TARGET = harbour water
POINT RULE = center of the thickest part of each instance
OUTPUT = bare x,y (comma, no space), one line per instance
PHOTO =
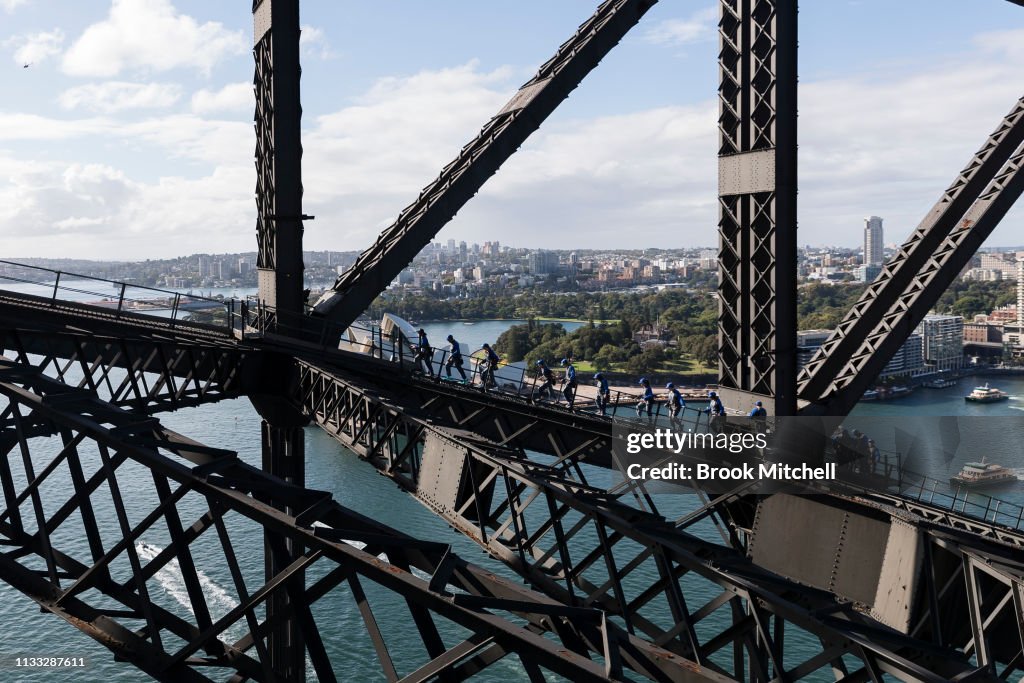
235,425
476,333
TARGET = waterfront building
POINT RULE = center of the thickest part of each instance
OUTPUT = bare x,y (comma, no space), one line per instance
908,360
807,344
943,342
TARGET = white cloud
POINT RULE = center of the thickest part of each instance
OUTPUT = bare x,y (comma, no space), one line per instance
11,5
150,35
885,146
313,43
35,128
366,161
96,211
33,48
114,96
699,26
232,97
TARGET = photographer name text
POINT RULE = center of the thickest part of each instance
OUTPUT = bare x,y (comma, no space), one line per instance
746,472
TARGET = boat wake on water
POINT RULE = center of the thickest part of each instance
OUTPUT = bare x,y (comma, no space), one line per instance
172,581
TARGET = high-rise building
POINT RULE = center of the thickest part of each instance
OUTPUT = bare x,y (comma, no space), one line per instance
1020,291
543,262
1013,333
874,246
943,341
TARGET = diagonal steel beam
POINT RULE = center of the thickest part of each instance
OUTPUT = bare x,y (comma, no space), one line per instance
500,137
327,532
912,281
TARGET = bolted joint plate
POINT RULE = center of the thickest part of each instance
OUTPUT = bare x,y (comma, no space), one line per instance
261,20
746,173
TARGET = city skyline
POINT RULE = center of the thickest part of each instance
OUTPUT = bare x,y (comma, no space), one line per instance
132,132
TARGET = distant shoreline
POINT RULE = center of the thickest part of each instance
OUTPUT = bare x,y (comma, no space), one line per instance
610,321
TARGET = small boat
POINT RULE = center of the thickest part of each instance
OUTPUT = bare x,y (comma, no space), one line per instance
977,474
939,384
899,392
870,395
986,394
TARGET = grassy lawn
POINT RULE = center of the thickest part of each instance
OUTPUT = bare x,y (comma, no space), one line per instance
682,367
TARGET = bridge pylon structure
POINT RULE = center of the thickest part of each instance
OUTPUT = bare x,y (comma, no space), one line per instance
617,587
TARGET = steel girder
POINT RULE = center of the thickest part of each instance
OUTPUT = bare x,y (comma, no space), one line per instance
278,156
910,283
973,578
500,137
569,436
757,163
584,547
145,375
572,438
105,584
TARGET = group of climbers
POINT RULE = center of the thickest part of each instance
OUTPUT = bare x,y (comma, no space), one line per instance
568,381
425,356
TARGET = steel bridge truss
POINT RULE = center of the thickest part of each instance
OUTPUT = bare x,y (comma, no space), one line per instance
586,546
757,63
144,374
617,589
103,574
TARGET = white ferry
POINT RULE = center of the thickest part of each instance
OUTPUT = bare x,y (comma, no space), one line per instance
986,395
977,474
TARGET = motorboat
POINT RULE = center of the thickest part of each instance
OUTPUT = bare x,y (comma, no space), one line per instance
979,474
986,394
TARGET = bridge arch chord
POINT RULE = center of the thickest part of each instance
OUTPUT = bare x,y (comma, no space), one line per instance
481,158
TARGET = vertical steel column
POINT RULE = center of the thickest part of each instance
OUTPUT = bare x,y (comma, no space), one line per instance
279,238
284,457
278,157
757,203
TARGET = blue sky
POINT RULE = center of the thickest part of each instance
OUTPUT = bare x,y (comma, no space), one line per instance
130,133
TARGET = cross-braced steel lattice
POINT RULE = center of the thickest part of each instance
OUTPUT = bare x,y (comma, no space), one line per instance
102,573
586,546
757,202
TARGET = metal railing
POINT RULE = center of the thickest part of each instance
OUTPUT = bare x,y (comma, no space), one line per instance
126,297
963,500
369,337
